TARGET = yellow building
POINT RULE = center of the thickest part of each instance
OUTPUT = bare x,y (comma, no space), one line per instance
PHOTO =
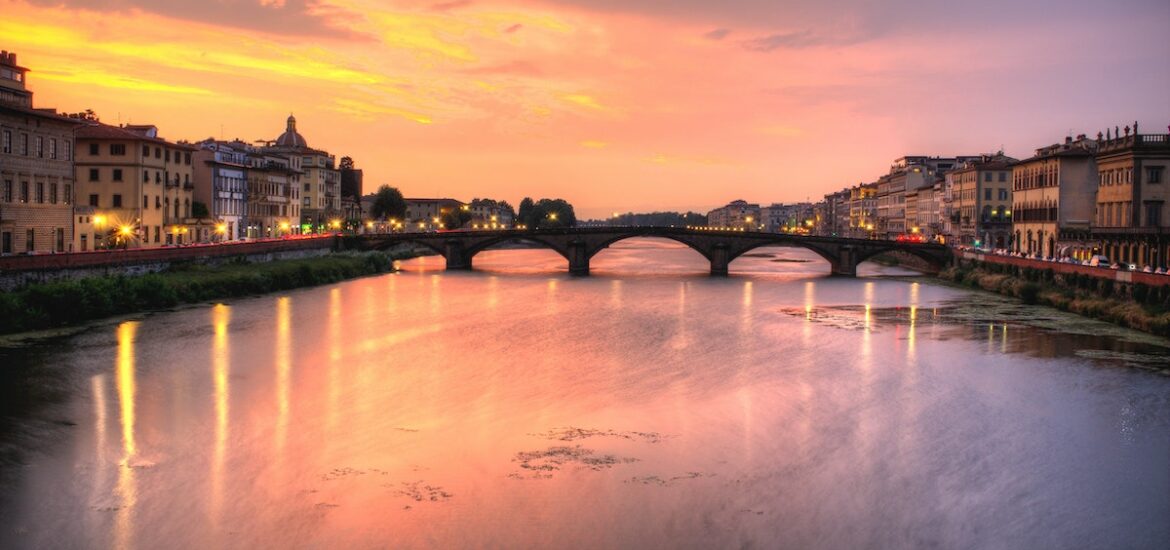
36,170
138,184
1053,198
320,192
274,182
1132,215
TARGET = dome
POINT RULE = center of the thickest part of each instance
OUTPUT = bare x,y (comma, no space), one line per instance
290,137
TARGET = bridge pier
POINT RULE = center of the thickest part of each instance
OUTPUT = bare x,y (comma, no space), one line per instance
457,256
720,258
578,258
846,264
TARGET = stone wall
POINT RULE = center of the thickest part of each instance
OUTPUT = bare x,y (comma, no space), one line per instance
17,271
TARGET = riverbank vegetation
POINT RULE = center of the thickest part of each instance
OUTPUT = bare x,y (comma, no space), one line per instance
64,303
1143,307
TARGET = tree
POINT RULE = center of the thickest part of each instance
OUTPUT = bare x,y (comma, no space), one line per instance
525,210
388,203
199,210
505,207
346,163
548,213
456,219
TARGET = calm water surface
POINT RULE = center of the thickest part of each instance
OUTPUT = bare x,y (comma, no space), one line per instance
645,406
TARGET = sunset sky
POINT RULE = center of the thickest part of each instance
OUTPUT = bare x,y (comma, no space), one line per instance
613,105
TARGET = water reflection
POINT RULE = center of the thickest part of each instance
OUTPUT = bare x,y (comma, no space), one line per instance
127,487
764,410
220,372
283,363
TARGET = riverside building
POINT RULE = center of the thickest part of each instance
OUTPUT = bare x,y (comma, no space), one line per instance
36,169
1132,223
1054,195
139,185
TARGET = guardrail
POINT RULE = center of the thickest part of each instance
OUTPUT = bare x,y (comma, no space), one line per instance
1119,275
112,258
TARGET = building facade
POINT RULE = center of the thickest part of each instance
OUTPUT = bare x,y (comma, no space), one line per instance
139,185
982,202
220,170
737,214
1132,222
36,170
1054,196
427,214
274,187
320,180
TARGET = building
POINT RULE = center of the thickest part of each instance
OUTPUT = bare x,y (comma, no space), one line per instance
320,180
981,202
427,214
908,173
36,170
351,190
490,214
1132,222
139,185
1054,195
220,170
274,188
862,210
836,222
737,214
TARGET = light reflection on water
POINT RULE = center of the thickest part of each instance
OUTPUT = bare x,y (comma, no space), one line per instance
645,406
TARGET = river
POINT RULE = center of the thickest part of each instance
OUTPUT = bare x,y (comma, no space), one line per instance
645,406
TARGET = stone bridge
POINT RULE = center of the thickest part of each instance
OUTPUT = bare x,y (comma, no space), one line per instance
579,245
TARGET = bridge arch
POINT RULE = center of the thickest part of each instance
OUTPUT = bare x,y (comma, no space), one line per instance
485,244
833,259
604,244
931,258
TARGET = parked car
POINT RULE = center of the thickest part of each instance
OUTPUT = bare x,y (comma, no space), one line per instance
1098,261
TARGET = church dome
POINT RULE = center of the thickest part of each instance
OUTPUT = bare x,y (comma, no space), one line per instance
290,138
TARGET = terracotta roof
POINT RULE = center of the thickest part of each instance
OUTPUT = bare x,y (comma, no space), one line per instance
98,130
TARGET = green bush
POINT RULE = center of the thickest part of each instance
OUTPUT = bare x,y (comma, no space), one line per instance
1030,293
71,302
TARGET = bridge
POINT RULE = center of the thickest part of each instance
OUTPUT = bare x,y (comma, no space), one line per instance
579,245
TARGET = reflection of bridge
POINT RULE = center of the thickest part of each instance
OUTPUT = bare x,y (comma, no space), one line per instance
578,245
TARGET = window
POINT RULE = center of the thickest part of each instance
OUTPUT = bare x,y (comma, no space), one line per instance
187,158
1154,174
93,174
1154,214
7,141
53,193
117,200
117,174
145,201
145,176
1003,194
158,152
53,148
29,240
60,239
157,233
7,246
40,192
24,192
145,151
67,197
987,192
7,190
40,147
93,200
68,147
93,149
157,202
24,144
1002,177
118,149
